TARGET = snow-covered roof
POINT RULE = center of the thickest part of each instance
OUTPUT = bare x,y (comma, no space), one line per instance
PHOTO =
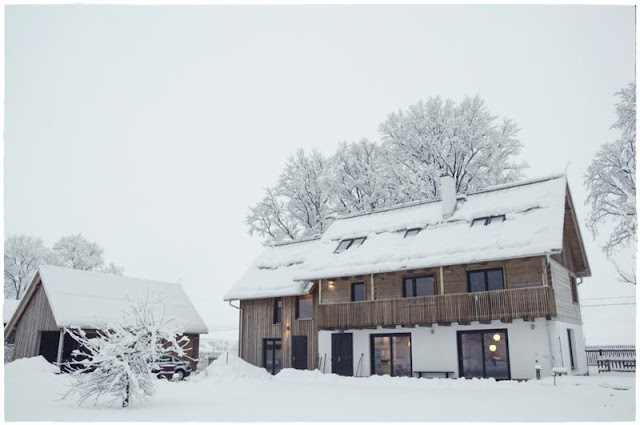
533,225
272,274
8,309
94,300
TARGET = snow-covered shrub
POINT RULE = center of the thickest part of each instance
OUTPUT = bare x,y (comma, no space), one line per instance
117,363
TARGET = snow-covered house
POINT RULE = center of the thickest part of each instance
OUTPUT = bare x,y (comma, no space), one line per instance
60,298
482,285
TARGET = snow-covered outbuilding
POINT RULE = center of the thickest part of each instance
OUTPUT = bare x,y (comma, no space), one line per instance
476,285
60,298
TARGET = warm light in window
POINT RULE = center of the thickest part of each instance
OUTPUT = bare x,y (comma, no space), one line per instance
496,337
492,348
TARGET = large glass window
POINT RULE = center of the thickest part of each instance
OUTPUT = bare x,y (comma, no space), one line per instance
304,307
272,355
485,280
484,354
357,291
421,286
391,354
277,310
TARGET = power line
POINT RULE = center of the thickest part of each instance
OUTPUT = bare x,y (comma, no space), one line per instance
603,305
608,298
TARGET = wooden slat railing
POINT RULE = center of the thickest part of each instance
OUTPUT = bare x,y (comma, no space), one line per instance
505,305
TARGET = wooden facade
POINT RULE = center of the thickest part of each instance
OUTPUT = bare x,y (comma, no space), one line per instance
258,324
37,318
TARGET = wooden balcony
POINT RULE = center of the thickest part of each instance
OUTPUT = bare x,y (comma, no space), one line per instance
506,305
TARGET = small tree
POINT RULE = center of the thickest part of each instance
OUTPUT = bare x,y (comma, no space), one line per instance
121,357
76,252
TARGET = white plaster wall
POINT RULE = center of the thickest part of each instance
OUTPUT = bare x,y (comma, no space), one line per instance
436,348
559,340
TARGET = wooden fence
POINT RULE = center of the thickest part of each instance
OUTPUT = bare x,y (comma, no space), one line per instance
616,365
609,351
505,305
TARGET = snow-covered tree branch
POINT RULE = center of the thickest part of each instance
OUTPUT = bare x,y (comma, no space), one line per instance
23,255
611,182
117,364
419,144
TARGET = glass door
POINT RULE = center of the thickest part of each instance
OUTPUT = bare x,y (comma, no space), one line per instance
484,354
391,354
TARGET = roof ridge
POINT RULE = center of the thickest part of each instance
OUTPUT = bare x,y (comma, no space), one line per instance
419,202
108,274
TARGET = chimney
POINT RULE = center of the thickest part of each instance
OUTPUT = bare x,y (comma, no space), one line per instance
447,195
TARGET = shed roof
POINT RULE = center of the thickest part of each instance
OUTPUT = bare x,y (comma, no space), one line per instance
534,212
94,300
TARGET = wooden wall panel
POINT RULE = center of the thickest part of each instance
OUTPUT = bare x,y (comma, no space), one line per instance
257,324
36,318
519,273
568,311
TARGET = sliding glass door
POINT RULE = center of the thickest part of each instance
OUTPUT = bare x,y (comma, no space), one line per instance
391,354
484,354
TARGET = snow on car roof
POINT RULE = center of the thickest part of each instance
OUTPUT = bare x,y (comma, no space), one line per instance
271,275
93,300
533,225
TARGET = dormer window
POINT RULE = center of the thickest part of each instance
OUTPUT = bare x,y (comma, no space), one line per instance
412,232
485,221
348,244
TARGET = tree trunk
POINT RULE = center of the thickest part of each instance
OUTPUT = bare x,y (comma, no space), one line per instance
125,402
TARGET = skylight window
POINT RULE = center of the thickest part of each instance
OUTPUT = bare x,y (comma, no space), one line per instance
488,220
412,232
348,244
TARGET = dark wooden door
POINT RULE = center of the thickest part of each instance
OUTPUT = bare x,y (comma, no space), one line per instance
342,354
299,352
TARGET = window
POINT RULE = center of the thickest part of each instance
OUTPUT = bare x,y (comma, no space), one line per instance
488,220
412,232
574,289
348,244
357,291
304,307
421,286
272,355
277,311
485,280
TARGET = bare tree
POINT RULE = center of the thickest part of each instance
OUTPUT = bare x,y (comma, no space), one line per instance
76,252
23,255
611,183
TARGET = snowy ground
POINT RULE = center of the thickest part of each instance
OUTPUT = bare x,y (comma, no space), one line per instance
240,392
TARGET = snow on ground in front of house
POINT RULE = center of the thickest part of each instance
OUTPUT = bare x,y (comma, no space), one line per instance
237,391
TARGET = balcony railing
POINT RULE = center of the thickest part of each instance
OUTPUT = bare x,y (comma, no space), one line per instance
504,305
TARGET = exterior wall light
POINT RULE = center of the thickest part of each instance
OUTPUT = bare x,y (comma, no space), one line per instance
493,348
496,337
288,328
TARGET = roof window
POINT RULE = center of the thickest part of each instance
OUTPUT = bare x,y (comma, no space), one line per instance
492,219
412,232
349,243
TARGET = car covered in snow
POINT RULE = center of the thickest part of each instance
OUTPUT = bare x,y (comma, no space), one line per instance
171,367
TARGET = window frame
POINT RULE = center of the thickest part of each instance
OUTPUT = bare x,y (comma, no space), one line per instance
364,292
413,231
574,289
486,279
298,299
486,221
265,351
415,285
277,311
351,243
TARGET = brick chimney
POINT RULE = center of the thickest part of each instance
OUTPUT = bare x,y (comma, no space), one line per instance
447,195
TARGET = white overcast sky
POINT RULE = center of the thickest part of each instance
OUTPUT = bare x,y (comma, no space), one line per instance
152,129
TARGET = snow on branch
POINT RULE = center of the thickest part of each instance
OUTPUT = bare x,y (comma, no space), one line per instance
117,363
